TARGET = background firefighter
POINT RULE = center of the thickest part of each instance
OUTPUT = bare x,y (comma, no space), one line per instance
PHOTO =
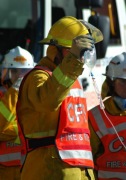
108,125
16,63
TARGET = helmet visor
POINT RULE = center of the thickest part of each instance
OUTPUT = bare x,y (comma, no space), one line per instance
12,74
95,32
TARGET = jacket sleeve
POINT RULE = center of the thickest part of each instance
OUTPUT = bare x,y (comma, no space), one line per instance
45,91
8,125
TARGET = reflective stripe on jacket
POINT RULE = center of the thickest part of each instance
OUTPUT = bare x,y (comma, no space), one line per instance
112,163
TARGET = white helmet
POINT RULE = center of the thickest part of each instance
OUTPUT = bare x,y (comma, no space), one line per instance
17,62
18,58
117,67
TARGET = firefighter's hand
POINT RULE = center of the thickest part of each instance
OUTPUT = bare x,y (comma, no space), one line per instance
17,84
81,44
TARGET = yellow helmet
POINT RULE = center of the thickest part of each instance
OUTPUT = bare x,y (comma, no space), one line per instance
67,28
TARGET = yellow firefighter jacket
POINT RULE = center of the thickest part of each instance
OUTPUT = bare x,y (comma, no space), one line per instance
38,114
9,167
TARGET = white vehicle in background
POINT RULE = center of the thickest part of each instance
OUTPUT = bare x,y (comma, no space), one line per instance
24,23
116,44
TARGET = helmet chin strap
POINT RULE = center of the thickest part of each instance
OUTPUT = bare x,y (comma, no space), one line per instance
59,56
7,83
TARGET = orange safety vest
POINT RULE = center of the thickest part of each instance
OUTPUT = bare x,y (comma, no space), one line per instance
10,153
112,163
73,137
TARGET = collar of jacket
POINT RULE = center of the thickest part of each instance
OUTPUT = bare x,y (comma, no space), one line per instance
111,107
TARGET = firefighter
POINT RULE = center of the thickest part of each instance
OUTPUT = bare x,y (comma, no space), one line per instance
15,64
52,110
108,124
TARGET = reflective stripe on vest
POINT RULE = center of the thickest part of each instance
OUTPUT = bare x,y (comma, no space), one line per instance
9,158
73,137
79,154
114,175
10,153
102,129
112,163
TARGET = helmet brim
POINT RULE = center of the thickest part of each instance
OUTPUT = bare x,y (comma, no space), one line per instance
95,32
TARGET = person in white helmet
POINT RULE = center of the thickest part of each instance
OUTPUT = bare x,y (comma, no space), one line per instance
17,62
108,124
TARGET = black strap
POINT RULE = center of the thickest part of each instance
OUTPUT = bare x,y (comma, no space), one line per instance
41,142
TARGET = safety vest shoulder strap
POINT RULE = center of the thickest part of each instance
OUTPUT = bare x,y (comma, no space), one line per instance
103,122
43,68
97,121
